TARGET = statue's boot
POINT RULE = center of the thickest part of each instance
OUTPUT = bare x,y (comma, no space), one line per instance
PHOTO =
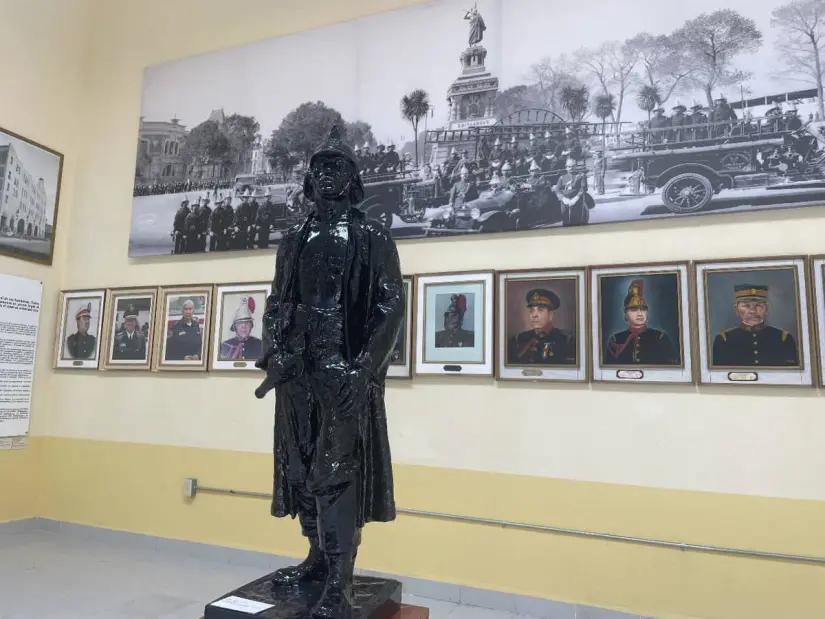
313,568
336,599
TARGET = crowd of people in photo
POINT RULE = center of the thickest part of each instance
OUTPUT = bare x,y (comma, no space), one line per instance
160,188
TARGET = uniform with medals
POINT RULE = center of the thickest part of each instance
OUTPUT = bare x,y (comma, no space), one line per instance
456,337
248,348
82,345
754,346
547,346
130,345
643,345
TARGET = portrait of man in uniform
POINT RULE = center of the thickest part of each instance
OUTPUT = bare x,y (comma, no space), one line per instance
753,318
456,332
640,320
241,333
185,316
541,322
82,343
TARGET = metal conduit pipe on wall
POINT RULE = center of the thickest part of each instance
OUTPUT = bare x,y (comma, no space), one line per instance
191,489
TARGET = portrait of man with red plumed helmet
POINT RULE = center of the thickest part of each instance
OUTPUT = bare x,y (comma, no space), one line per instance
454,334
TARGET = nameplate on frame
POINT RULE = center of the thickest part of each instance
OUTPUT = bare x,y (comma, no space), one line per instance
743,377
630,374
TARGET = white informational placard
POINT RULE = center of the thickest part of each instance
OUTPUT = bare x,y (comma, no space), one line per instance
250,607
19,317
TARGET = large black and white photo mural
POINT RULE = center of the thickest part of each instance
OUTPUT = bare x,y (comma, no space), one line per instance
491,116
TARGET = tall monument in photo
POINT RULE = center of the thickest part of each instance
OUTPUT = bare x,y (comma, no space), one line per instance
472,96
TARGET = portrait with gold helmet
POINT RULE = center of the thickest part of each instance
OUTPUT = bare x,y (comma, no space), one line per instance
641,323
237,339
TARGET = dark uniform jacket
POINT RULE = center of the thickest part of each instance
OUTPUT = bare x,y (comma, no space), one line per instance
81,346
553,347
131,348
454,338
649,347
374,296
183,340
762,346
250,349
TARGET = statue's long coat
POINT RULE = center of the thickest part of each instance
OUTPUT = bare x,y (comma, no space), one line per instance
373,314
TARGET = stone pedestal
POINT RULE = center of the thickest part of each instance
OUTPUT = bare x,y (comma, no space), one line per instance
375,598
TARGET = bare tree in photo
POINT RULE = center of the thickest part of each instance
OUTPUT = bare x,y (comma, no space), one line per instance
710,43
414,107
596,62
622,59
550,76
661,64
800,44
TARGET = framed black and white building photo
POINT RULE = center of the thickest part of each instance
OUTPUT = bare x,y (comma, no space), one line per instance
541,318
454,323
640,323
30,177
79,329
753,321
401,359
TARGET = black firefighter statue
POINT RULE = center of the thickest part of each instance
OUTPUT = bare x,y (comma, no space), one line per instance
330,326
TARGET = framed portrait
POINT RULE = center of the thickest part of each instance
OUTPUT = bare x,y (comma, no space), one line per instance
753,319
182,332
817,269
454,323
79,329
237,331
30,176
130,323
640,323
540,318
401,360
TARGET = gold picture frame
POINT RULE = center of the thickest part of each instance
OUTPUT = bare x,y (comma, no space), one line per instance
561,280
144,301
170,312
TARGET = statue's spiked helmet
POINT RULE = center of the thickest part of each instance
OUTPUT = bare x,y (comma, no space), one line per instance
332,147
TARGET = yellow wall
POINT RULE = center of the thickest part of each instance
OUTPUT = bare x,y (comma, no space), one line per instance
44,47
726,466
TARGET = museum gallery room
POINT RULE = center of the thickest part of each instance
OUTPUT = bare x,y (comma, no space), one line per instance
516,309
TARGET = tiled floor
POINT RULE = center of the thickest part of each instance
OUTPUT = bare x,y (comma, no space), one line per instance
49,575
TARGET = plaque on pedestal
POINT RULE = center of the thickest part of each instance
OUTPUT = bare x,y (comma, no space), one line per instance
374,598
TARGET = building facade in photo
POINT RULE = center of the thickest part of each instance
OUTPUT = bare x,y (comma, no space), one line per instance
22,198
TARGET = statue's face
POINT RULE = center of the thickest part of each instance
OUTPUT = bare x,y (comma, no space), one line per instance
331,176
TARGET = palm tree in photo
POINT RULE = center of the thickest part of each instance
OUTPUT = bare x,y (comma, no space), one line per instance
603,107
575,99
414,107
648,99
